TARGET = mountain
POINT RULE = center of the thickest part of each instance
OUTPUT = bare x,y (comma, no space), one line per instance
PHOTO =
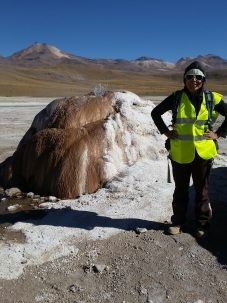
2,59
41,54
210,62
44,70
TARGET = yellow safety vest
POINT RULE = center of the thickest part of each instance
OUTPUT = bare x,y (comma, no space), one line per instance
190,130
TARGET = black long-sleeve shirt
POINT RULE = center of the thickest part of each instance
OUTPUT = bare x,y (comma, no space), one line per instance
168,104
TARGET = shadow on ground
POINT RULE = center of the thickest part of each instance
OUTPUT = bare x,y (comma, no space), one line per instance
216,242
68,217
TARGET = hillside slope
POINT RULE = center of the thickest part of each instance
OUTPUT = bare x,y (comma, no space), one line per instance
44,70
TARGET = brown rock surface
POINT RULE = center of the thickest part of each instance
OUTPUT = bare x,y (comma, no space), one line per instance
62,152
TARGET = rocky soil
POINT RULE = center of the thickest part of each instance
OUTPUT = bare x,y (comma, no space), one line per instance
134,266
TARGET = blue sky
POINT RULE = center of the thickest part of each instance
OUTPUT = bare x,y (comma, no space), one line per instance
126,29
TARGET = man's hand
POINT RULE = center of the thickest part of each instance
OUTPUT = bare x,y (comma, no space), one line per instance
210,135
171,134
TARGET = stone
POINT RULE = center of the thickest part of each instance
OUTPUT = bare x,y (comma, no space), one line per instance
76,145
13,192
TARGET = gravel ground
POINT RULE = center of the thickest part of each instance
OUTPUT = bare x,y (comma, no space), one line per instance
129,267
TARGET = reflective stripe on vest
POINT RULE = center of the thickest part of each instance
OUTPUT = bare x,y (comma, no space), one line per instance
191,137
190,120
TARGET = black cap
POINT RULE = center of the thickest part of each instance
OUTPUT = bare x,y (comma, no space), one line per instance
195,65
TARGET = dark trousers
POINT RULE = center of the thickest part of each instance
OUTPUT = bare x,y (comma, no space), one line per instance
199,170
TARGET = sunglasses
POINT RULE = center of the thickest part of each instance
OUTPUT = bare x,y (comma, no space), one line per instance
198,77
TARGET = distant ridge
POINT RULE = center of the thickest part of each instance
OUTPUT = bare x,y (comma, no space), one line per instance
45,70
39,54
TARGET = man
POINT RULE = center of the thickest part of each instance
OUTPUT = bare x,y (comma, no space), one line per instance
192,145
